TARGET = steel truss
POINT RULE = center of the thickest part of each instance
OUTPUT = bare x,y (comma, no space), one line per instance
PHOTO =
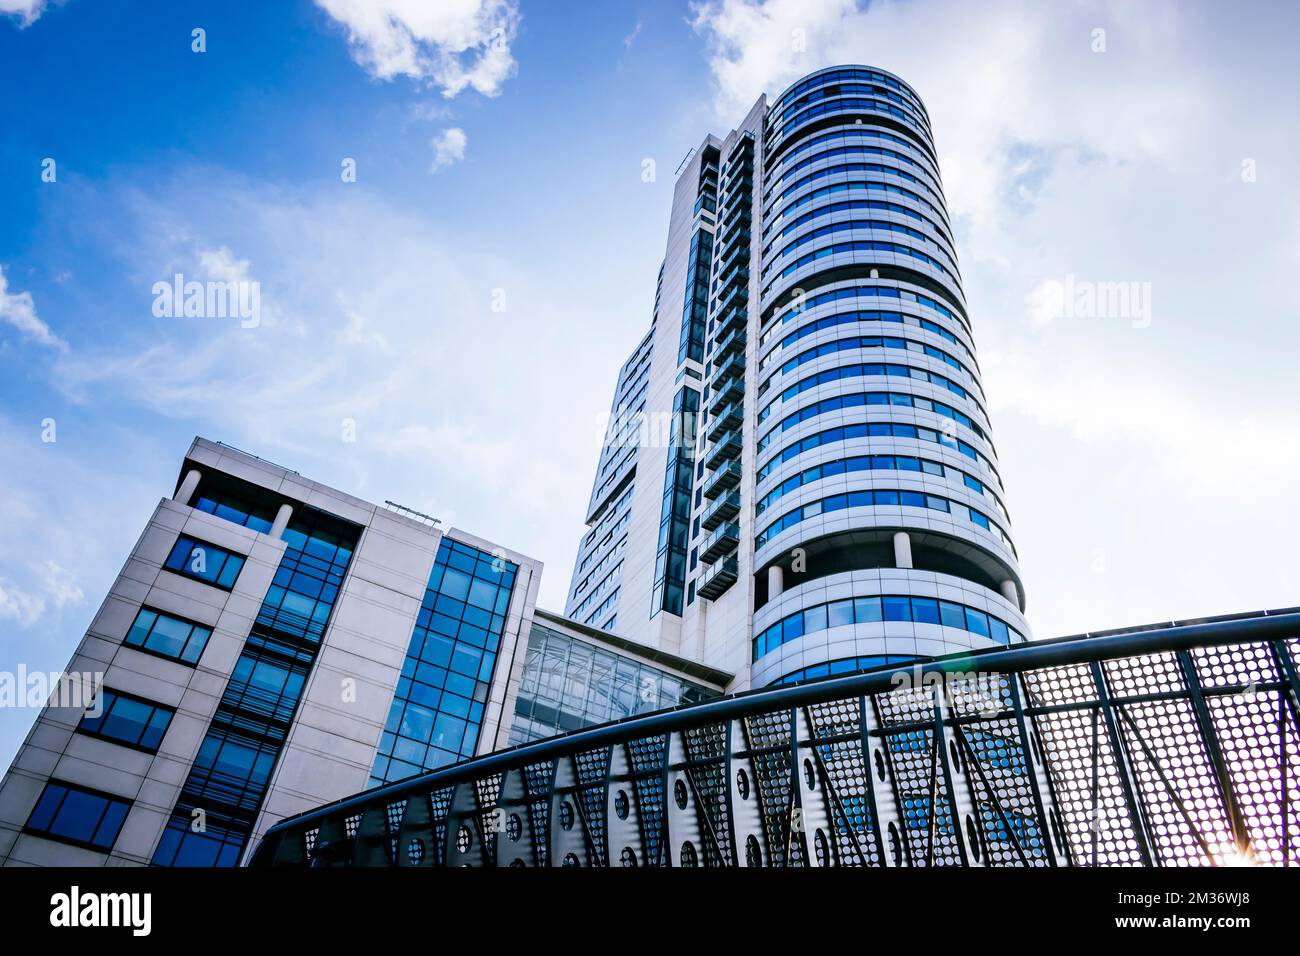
1173,746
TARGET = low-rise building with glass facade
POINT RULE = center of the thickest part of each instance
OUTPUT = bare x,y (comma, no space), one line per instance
270,644
576,676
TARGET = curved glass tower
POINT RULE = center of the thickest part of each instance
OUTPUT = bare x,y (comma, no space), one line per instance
841,507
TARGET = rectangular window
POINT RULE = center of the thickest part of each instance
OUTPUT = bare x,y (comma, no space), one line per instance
168,636
840,613
925,610
866,610
952,615
204,562
999,631
897,609
76,815
128,720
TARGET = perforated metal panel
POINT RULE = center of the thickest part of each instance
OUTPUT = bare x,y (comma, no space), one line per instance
1170,747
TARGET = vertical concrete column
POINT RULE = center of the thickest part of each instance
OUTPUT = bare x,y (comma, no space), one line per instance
902,550
186,491
281,521
775,581
1009,591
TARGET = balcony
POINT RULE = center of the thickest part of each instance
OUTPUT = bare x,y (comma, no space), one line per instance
724,479
740,180
724,509
732,392
734,365
736,278
727,447
734,342
731,321
736,254
738,214
738,294
715,581
727,419
722,542
735,239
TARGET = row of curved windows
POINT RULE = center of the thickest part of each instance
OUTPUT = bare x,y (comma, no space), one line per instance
865,246
865,370
844,466
845,318
853,151
834,77
870,342
826,90
846,105
869,185
872,610
867,291
875,430
853,205
856,133
843,168
880,225
845,665
877,498
859,399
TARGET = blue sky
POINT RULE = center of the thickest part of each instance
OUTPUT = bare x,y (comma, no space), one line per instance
499,148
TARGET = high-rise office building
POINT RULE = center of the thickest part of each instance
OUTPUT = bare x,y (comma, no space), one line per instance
800,476
272,644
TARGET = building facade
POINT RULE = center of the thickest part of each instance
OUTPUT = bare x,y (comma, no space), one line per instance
825,494
270,644
576,676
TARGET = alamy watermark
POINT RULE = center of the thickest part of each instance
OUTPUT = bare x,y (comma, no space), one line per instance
967,691
215,299
1075,298
77,690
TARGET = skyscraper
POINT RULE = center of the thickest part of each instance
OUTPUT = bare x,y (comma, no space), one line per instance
800,477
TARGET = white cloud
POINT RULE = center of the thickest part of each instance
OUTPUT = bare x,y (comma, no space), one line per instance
19,606
51,584
451,44
387,320
220,265
27,11
19,311
448,147
631,37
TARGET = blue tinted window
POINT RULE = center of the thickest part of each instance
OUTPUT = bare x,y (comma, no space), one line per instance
436,711
839,613
205,562
128,720
168,636
952,615
925,610
889,608
999,631
867,610
229,777
75,815
897,609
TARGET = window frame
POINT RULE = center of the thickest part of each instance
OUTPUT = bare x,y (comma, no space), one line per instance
184,571
142,748
145,649
68,788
